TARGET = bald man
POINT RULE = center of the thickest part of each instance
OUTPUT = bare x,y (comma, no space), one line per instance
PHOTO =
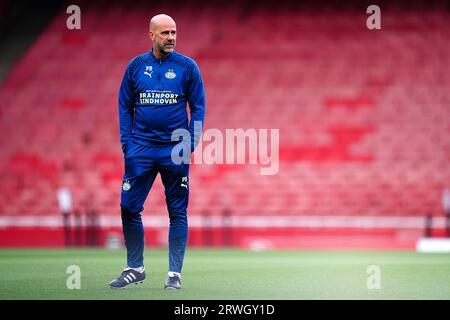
155,90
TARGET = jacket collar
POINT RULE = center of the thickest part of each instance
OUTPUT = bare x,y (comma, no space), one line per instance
154,59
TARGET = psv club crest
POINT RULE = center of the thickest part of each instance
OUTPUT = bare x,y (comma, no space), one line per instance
126,186
170,74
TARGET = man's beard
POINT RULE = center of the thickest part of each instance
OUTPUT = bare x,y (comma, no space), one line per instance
164,51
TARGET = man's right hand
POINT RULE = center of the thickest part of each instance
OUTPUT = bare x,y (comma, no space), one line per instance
124,148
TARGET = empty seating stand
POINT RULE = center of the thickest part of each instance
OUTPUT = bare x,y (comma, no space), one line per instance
363,116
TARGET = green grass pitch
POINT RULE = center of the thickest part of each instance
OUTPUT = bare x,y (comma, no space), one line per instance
228,274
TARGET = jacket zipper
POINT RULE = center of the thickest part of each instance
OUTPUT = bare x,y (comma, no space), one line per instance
159,71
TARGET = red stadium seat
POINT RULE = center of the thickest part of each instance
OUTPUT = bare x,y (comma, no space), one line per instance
363,120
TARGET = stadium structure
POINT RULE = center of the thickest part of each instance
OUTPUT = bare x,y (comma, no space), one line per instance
363,119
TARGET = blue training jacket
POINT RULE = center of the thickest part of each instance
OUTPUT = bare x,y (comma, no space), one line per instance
153,98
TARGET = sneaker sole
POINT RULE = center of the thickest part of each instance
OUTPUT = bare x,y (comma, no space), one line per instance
171,288
137,282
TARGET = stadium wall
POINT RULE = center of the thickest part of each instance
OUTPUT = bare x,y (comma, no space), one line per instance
256,233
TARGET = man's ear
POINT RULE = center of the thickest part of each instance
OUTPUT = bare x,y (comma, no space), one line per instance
150,34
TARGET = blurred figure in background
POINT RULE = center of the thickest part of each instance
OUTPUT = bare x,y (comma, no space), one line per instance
92,223
446,207
65,206
78,231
